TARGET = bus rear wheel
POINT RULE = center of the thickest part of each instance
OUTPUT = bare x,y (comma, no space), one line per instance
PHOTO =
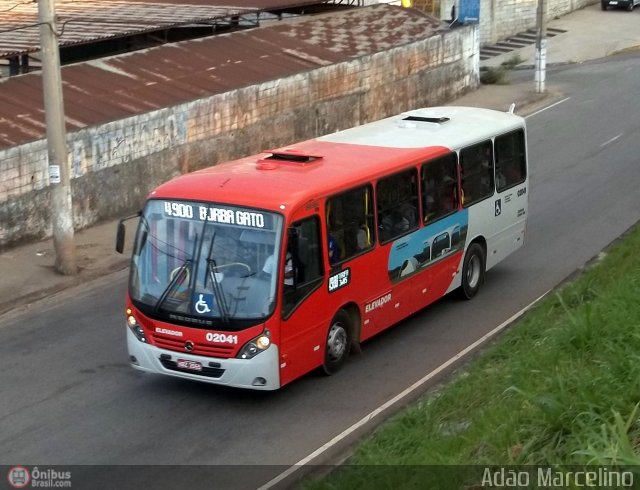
338,343
473,269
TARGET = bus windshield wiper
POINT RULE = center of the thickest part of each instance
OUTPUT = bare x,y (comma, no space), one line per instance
181,273
217,290
215,284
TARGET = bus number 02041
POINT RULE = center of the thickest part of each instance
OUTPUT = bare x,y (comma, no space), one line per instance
222,338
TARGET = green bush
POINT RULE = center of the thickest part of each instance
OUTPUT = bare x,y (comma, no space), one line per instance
497,76
512,62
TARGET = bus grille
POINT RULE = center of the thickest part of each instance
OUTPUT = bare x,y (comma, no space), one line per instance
206,371
198,349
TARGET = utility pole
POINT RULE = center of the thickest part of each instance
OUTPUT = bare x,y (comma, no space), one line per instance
541,49
59,178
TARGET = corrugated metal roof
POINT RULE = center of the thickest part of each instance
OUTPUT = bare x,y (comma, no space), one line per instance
364,31
109,89
83,21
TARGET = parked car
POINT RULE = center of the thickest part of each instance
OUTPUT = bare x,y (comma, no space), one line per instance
628,4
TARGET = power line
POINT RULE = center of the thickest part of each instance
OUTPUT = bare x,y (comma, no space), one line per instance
88,20
28,26
17,5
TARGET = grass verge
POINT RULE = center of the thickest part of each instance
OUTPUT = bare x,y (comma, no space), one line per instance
561,388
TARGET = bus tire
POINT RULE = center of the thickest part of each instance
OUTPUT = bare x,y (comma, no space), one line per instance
473,269
338,343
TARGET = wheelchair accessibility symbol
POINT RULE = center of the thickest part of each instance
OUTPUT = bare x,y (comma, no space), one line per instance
203,303
498,207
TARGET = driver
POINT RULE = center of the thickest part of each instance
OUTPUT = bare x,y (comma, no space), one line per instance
268,267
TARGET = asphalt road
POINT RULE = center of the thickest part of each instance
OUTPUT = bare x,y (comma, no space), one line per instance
69,396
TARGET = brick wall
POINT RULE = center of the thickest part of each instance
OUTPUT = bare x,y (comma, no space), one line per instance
114,166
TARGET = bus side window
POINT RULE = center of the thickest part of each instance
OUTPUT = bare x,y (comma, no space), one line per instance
397,203
439,187
511,167
476,169
349,224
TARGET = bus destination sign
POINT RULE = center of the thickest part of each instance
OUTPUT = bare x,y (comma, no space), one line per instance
227,216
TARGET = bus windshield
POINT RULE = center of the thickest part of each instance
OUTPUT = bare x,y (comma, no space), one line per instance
204,264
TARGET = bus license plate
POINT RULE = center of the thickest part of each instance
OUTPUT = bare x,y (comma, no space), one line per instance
190,365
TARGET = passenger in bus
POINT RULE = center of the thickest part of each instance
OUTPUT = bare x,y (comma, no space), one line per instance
333,249
288,271
429,201
484,157
363,238
409,215
393,224
450,198
507,175
386,226
501,181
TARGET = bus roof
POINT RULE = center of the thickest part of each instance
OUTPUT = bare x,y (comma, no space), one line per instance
291,176
453,127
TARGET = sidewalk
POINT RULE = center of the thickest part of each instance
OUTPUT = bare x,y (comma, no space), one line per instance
590,33
27,273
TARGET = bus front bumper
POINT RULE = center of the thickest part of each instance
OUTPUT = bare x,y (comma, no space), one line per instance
258,373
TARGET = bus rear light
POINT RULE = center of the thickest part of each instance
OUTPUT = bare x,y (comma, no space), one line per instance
255,346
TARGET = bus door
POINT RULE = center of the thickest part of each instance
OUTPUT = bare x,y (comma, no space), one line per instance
304,310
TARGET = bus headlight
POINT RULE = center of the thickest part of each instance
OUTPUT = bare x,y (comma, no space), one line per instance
255,346
132,323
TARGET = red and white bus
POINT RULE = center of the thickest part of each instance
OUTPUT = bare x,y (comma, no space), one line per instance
253,272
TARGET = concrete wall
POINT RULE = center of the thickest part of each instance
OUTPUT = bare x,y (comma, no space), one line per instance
500,19
115,165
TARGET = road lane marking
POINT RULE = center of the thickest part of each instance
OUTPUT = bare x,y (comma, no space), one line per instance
608,142
367,418
548,107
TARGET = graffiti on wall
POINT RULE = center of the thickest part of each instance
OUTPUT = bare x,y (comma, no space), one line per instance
111,146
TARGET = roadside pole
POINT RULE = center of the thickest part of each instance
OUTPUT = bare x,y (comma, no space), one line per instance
59,179
541,49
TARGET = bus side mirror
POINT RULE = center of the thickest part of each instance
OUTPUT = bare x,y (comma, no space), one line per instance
121,231
120,234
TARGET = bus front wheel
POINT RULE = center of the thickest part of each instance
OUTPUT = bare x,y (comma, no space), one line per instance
472,271
338,343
